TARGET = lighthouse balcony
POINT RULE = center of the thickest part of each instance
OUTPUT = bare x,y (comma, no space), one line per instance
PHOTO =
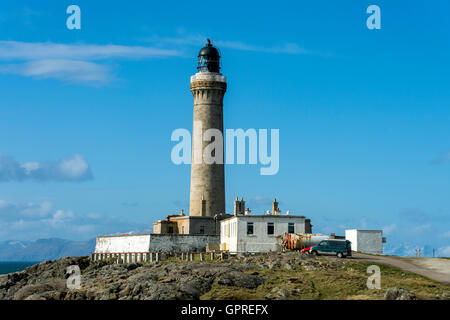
208,76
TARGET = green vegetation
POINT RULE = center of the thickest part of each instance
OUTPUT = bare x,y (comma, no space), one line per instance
340,281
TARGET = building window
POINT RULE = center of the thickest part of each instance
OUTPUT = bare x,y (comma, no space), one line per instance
202,229
182,229
270,228
170,229
291,227
249,227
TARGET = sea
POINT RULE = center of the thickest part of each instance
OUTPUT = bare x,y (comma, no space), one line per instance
14,266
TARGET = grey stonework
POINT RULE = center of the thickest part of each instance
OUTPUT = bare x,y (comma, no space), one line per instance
207,192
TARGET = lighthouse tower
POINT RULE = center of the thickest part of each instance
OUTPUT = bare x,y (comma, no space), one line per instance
208,86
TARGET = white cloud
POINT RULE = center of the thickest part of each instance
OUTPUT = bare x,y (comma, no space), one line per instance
38,210
388,229
199,40
16,50
74,168
65,70
70,62
31,221
60,217
289,48
31,211
86,228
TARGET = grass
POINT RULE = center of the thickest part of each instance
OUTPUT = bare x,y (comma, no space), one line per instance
344,281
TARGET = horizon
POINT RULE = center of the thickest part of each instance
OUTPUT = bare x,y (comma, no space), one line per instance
87,115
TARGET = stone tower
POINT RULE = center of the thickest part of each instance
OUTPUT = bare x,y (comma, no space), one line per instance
208,87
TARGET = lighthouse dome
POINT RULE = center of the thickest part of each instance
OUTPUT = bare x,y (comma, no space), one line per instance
209,59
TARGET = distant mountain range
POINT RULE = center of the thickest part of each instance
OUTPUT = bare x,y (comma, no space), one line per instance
52,248
44,249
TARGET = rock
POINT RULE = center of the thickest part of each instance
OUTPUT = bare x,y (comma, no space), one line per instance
35,297
399,294
35,289
192,289
133,266
277,294
240,279
287,266
309,267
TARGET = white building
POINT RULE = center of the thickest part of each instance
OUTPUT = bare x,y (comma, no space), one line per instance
258,233
366,241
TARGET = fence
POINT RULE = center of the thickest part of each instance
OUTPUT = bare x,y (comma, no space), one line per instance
134,257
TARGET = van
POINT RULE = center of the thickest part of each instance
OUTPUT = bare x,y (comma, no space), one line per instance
333,247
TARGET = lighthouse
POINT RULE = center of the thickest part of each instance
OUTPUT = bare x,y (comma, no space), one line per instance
208,87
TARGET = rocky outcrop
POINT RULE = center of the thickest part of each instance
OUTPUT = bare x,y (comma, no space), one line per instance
399,294
105,280
273,276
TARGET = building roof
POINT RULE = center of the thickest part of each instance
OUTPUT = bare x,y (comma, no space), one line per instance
268,216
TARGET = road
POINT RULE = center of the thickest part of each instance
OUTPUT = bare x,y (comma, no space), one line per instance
433,268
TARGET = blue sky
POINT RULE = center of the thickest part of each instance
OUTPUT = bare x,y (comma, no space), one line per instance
363,114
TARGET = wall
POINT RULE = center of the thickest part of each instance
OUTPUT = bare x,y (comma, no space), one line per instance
181,242
366,241
119,244
153,243
370,241
187,225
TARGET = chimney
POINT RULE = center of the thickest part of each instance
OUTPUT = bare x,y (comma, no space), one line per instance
275,206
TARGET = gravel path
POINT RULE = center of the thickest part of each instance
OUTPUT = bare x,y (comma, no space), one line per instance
433,268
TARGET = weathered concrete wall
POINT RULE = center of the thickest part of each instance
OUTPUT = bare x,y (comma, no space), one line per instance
366,241
120,244
153,243
181,242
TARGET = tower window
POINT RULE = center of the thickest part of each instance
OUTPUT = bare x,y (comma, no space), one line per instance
270,228
291,227
249,227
